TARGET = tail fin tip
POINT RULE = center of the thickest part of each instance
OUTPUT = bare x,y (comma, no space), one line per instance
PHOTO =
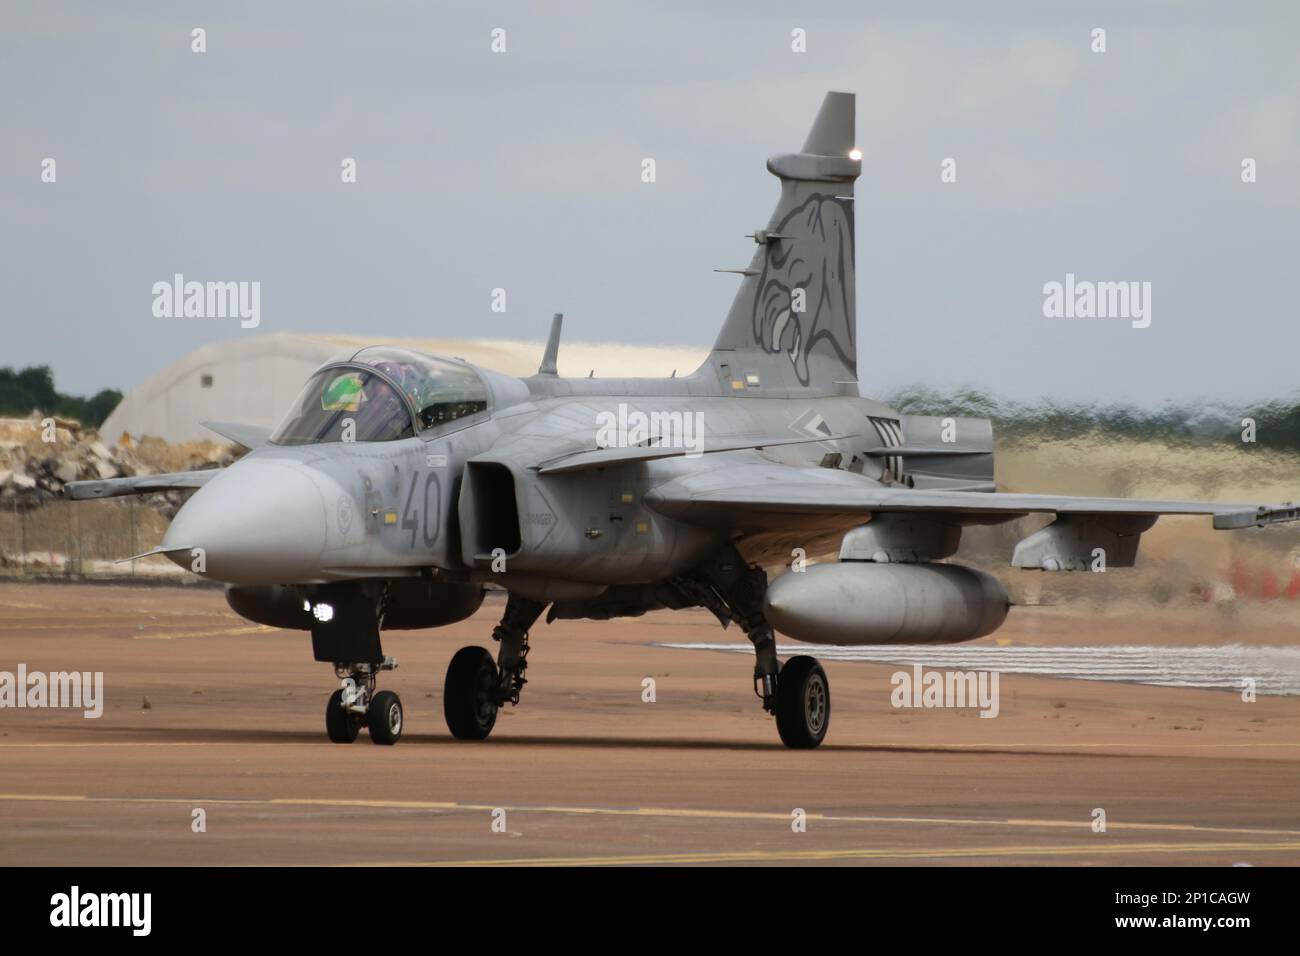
832,131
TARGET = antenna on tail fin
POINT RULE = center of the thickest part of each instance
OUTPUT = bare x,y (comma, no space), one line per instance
792,325
552,352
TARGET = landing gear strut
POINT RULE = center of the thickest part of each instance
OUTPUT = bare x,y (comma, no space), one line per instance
357,704
798,694
476,687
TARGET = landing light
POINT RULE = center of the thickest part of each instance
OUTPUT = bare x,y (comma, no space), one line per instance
855,154
323,613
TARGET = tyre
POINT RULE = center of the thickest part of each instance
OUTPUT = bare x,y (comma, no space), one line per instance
469,699
342,726
803,703
385,718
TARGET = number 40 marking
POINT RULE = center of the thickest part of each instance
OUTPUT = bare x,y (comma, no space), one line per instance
432,505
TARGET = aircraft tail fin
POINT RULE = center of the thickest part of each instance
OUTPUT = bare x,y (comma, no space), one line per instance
792,325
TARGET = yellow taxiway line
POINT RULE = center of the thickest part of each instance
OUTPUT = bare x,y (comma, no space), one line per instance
688,813
794,856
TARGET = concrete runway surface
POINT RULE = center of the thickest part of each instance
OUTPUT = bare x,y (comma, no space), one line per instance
586,772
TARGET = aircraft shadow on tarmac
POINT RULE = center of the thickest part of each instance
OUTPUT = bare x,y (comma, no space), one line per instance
240,736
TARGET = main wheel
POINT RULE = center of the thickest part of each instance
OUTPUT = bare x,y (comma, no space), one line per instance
469,699
385,718
341,725
803,703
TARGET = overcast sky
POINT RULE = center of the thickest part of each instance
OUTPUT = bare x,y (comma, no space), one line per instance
521,170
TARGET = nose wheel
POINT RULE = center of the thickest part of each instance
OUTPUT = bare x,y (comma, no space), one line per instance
341,725
385,718
356,704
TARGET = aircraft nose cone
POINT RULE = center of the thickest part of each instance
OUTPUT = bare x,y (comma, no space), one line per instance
255,523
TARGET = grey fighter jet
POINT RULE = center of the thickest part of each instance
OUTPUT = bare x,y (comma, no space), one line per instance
400,484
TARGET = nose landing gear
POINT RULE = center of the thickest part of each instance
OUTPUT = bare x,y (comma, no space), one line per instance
341,724
356,704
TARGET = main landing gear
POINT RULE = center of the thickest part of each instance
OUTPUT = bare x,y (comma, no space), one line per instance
798,693
476,686
803,703
356,704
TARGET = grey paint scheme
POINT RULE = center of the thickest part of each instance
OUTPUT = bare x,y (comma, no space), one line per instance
435,505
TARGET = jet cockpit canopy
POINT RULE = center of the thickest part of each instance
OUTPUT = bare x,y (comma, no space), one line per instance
382,393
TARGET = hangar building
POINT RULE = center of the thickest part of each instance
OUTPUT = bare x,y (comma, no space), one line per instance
253,380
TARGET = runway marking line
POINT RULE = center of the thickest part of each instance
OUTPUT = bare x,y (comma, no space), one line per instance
152,635
221,632
663,812
761,856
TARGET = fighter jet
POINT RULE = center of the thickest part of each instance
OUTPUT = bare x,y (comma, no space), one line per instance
400,485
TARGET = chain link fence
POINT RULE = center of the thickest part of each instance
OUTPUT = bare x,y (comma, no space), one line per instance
54,538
